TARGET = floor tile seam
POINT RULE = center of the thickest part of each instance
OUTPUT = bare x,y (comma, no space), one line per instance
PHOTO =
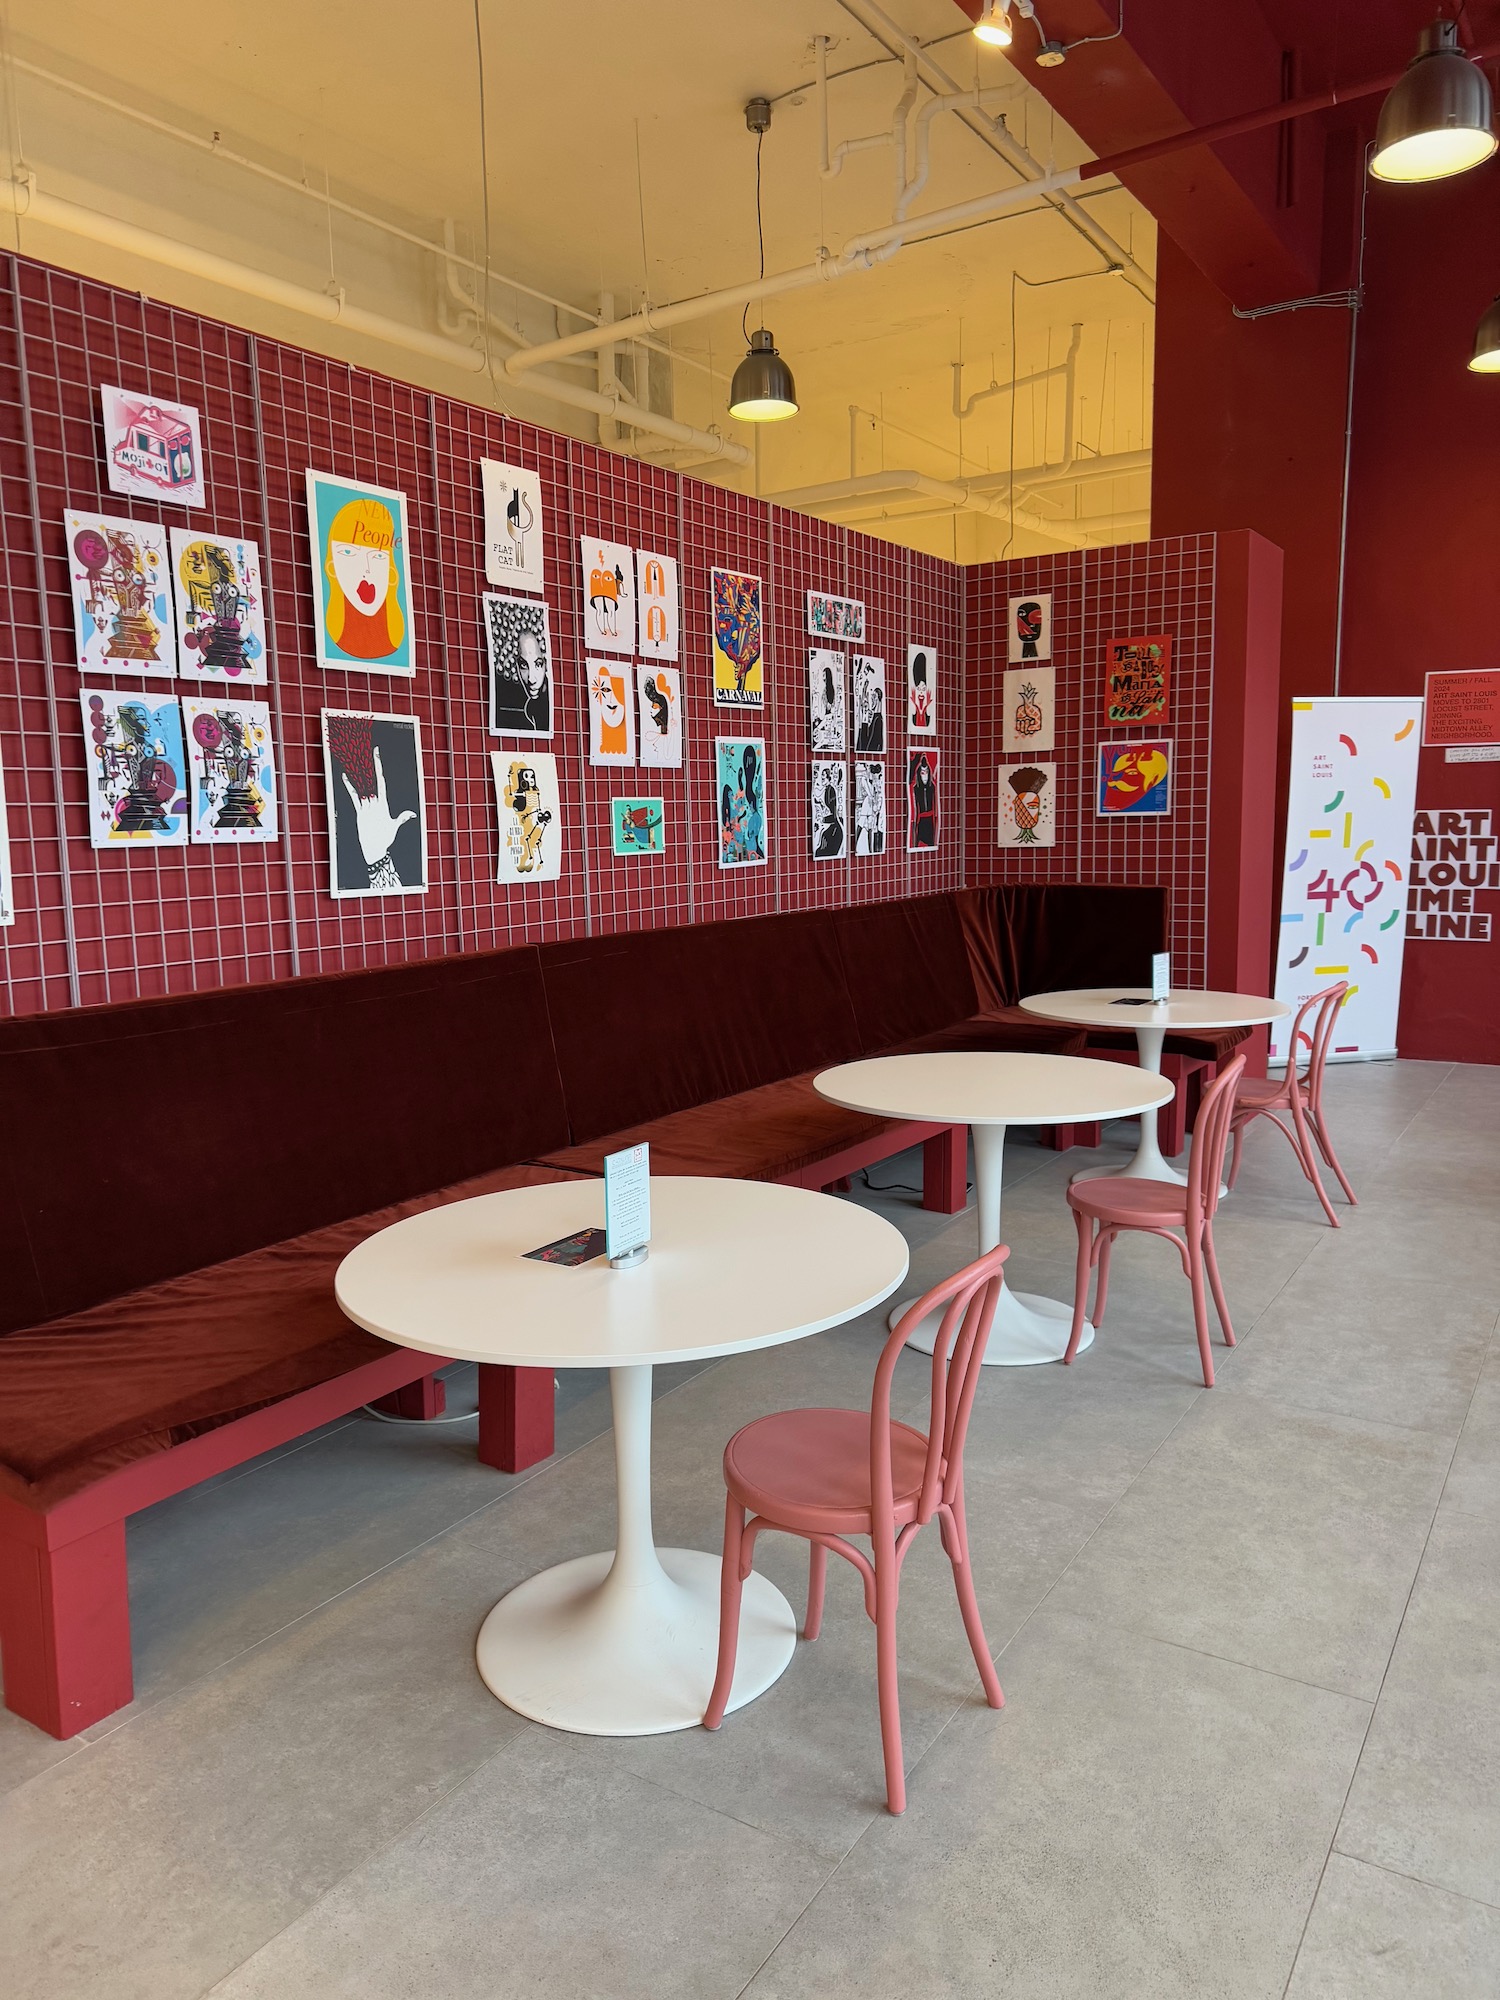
1422,1881
741,1991
787,1840
1375,1423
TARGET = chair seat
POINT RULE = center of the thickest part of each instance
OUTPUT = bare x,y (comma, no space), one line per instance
1143,1204
1261,1092
811,1469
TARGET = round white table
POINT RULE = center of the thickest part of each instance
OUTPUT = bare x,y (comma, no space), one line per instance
624,1643
1181,1013
987,1093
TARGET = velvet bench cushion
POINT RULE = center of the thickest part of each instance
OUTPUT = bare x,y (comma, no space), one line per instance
999,1030
1206,1045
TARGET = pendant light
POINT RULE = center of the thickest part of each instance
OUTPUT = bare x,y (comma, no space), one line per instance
1438,120
1485,360
762,391
993,25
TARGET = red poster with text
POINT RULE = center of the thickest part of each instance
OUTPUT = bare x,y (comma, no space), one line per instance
1462,708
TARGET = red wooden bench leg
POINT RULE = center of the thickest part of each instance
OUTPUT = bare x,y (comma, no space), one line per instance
945,1170
1060,1137
418,1402
516,1408
65,1630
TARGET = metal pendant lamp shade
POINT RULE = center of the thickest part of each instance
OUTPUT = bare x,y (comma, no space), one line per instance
763,391
1439,119
1485,359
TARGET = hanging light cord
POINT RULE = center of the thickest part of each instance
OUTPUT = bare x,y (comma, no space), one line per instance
760,237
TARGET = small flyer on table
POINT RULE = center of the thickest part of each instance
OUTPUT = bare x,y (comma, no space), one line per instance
627,1205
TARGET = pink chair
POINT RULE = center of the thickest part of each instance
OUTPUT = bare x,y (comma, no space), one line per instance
1102,1208
829,1474
1302,1096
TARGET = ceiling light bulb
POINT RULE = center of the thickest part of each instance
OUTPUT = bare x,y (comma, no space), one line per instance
1485,360
762,391
993,25
1438,120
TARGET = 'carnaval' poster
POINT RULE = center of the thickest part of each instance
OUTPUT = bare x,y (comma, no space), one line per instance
231,771
1028,805
377,814
137,772
122,619
1137,679
528,811
740,790
221,612
361,556
739,666
659,716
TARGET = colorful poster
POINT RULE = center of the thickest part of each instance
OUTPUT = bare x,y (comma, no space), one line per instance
361,557
122,618
1028,816
1350,805
828,809
611,713
921,691
1028,629
1137,679
137,773
869,809
231,771
1027,699
1135,778
740,788
606,572
838,618
154,450
1453,860
656,604
825,702
528,809
659,711
513,531
739,668
638,826
923,821
518,644
7,876
869,706
377,813
221,611
1462,708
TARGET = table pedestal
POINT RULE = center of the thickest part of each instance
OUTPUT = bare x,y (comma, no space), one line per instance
1147,1163
626,1643
1028,1329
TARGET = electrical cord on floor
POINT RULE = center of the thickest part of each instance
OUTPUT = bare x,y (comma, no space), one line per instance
384,1417
899,1187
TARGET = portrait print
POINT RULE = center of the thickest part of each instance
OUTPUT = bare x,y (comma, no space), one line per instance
921,691
611,713
828,808
361,553
825,702
869,706
1029,628
1028,815
740,791
869,809
922,805
659,716
656,604
518,643
739,667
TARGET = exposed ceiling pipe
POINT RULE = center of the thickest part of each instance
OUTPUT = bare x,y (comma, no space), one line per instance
955,493
1064,367
1082,472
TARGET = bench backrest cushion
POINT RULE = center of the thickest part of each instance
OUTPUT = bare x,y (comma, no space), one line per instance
907,969
1050,937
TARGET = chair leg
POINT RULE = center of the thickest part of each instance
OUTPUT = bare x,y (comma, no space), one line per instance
1216,1284
887,1584
1325,1147
1080,1282
1303,1141
968,1603
731,1589
1234,1161
817,1576
1101,1288
1200,1311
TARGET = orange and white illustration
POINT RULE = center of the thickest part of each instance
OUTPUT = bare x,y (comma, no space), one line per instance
606,572
659,713
611,714
361,575
656,612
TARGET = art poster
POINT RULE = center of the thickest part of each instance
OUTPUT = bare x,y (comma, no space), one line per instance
221,609
1028,628
1135,779
518,646
656,604
1137,679
828,810
825,703
122,616
154,450
1028,805
922,806
739,666
611,713
869,809
638,826
1346,879
740,789
361,557
659,715
606,573
838,618
921,691
528,808
7,875
1027,697
869,706
231,771
377,812
137,772
513,540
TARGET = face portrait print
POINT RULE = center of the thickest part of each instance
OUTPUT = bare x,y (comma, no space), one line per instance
869,809
740,789
825,701
361,553
922,801
869,706
519,645
1029,623
921,691
611,714
828,811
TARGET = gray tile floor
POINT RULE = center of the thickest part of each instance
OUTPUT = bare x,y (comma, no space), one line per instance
1250,1641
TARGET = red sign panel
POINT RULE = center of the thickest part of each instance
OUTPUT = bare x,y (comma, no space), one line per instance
1463,708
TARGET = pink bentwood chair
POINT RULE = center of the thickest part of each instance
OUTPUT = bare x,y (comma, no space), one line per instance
1302,1096
1102,1208
829,1474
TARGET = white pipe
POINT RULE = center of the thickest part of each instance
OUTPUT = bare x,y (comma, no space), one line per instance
962,410
604,365
955,492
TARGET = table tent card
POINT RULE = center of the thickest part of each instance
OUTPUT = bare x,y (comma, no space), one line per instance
154,450
7,876
361,557
825,703
656,604
921,691
1135,779
869,809
513,527
828,803
739,666
638,826
869,706
377,813
659,715
740,789
122,618
137,771
1137,680
221,609
528,809
1028,627
841,619
606,573
1027,695
1028,816
922,805
231,771
611,713
518,646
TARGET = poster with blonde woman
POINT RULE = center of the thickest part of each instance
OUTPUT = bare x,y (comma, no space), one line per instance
361,575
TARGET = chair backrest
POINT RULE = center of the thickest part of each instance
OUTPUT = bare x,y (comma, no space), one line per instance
1328,1003
967,1303
1211,1138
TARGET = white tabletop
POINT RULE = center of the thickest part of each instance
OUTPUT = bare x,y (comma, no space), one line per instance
1094,1007
734,1265
968,1087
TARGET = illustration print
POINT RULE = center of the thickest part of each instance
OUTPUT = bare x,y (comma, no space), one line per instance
376,810
611,713
231,771
1135,778
637,826
869,809
1027,815
659,716
740,769
361,575
828,805
656,604
838,618
528,809
221,613
518,643
133,755
1029,628
154,450
739,670
869,706
513,538
1137,677
922,806
825,701
921,691
122,622
1026,702
607,580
